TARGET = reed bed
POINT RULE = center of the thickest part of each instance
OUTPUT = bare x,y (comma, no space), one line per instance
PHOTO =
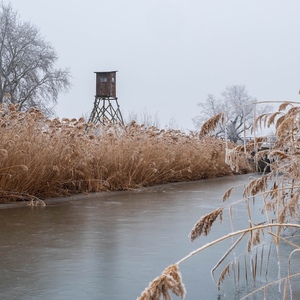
42,158
256,248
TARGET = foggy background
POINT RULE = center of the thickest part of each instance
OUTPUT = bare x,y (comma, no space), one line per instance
170,54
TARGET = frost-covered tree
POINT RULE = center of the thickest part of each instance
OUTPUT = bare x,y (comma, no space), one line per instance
144,118
28,76
237,105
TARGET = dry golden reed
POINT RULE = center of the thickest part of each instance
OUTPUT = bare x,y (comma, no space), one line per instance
169,281
284,105
255,186
203,226
49,158
224,274
211,124
227,194
272,118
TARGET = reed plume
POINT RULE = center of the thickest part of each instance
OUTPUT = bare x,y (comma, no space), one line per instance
255,186
169,281
204,225
227,194
211,124
284,105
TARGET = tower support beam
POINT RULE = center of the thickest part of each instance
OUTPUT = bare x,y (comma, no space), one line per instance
106,110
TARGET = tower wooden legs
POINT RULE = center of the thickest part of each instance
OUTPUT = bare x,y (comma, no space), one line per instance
106,110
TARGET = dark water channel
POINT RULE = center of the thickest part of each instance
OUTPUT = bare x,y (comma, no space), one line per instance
111,245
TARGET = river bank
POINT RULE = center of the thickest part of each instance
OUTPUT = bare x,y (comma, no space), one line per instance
95,195
42,158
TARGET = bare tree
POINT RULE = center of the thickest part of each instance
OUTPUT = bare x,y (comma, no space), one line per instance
28,76
144,118
237,105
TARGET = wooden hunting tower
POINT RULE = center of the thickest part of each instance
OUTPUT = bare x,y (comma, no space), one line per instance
106,107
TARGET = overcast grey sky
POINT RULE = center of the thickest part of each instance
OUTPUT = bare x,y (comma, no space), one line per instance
171,54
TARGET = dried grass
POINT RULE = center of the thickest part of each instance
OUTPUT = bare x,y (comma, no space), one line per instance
169,280
211,124
227,194
49,158
203,226
255,186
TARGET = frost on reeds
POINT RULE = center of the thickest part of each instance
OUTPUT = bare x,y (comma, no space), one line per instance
169,280
276,195
49,158
211,124
204,225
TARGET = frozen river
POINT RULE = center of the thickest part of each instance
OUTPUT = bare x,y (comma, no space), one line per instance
111,245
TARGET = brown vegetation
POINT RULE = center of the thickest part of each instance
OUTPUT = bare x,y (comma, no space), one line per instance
48,158
169,280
